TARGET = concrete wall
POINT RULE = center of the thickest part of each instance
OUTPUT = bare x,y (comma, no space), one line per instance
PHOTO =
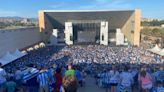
18,38
104,32
128,21
68,33
41,21
137,29
45,26
119,37
131,28
128,29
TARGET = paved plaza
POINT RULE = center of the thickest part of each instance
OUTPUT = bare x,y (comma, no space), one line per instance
90,86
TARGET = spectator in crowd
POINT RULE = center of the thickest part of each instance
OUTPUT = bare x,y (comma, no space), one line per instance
92,59
69,84
70,71
58,78
3,76
79,76
106,80
11,85
31,83
114,79
159,75
18,76
43,80
145,80
160,87
51,72
126,80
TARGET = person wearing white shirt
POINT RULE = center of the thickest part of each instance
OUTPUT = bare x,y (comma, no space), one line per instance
2,78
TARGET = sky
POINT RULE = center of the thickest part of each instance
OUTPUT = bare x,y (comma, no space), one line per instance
30,8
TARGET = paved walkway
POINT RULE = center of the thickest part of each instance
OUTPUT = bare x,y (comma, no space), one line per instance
90,86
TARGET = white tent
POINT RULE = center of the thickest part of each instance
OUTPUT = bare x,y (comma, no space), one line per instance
156,49
8,58
18,54
161,52
3,61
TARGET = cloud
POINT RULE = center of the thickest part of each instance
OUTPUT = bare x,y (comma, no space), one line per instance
8,13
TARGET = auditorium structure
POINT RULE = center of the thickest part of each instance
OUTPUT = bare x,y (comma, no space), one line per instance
104,27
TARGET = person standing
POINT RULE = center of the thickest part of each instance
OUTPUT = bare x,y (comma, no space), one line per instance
70,71
159,75
114,78
18,76
69,84
3,75
106,80
11,85
58,77
145,80
126,81
79,76
43,80
159,87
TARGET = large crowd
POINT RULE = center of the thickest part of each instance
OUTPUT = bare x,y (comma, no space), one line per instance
64,69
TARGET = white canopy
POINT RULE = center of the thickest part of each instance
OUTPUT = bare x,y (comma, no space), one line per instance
3,62
156,49
8,58
161,52
18,54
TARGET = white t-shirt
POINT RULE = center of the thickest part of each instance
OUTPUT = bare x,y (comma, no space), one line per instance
2,76
126,78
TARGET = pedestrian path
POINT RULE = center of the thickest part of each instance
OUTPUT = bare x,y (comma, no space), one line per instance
90,86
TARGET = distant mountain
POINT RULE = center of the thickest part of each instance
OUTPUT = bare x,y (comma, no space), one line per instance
11,17
16,17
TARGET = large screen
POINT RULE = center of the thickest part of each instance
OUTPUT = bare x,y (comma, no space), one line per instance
86,36
86,32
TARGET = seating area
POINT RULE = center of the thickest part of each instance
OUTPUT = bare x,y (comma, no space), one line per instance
101,64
